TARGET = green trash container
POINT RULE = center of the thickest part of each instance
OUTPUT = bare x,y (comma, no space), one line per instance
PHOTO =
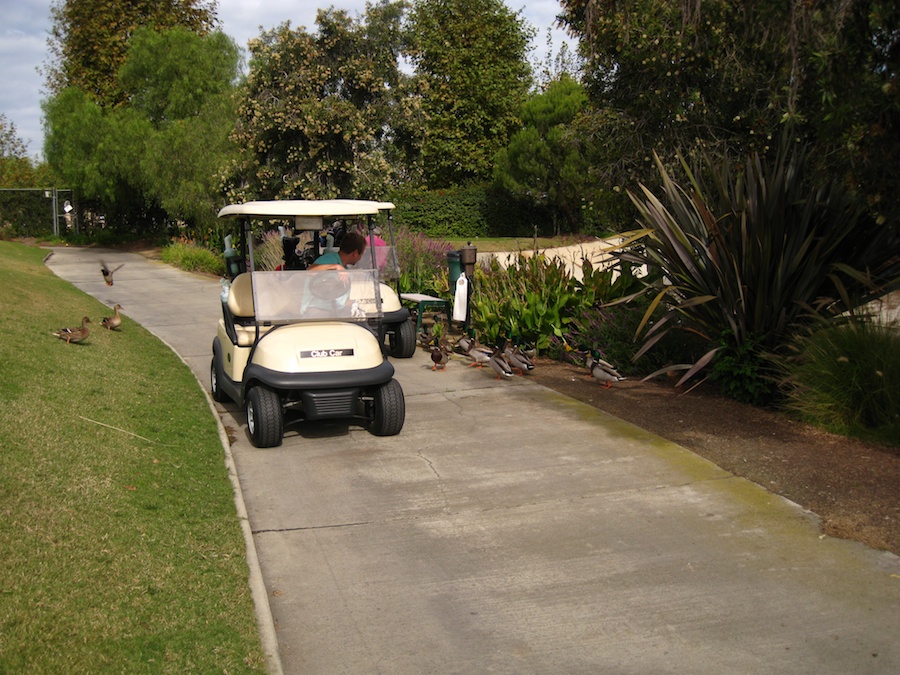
455,268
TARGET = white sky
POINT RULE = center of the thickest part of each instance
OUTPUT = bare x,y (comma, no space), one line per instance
25,25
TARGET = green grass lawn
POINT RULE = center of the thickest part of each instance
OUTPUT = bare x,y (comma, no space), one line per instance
120,547
502,244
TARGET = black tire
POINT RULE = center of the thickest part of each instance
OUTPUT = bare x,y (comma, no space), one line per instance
265,417
389,410
215,377
402,340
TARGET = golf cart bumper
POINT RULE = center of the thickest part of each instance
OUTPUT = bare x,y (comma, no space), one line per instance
323,395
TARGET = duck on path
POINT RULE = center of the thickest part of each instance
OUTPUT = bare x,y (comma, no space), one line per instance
108,273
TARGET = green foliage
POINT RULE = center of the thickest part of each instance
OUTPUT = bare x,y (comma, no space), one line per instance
846,379
535,299
156,158
89,40
120,545
192,257
455,212
544,163
471,77
669,76
749,255
742,371
315,108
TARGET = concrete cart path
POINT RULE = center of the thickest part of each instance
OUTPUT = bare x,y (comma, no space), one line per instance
510,529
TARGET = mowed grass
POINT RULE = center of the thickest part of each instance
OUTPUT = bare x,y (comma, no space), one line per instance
504,244
120,547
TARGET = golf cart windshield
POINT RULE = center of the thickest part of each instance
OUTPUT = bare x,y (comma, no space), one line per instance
316,295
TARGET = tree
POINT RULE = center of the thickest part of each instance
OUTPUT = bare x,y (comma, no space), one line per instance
471,78
15,167
668,75
543,162
89,39
182,85
157,157
315,111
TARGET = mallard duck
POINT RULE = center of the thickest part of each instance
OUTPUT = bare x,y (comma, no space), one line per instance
469,346
424,337
74,334
479,355
601,370
108,273
517,359
439,358
499,363
114,321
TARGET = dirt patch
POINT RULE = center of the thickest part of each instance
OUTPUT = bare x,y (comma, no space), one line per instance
854,487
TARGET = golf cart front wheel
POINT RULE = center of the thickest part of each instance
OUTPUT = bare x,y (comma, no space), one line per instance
265,417
388,409
215,379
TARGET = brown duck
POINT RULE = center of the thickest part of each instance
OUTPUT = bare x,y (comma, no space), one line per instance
74,334
114,321
108,273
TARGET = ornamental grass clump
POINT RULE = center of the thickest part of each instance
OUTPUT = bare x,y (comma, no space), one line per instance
846,379
422,261
187,255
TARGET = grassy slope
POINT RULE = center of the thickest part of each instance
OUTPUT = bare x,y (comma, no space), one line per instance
116,553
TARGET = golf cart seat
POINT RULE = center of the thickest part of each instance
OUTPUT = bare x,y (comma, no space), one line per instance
240,315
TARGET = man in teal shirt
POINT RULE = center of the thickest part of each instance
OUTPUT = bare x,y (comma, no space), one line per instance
353,245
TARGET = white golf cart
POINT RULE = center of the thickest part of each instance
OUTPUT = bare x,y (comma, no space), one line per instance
393,323
307,343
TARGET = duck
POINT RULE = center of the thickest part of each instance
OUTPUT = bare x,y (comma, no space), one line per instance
114,321
479,355
108,273
424,337
439,358
518,359
74,334
500,364
601,370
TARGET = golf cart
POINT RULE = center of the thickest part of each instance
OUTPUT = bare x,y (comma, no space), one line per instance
393,323
304,342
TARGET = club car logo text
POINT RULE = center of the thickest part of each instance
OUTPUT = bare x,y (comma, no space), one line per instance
325,353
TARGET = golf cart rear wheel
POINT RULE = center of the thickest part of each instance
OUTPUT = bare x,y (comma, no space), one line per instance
402,340
214,380
265,417
389,410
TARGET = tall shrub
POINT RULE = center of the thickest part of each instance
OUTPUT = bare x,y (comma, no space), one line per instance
748,254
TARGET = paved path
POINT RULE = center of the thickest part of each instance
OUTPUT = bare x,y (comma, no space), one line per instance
509,529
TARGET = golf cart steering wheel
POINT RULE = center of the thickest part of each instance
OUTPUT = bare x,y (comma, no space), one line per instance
329,284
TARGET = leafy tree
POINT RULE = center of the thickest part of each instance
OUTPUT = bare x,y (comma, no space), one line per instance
313,115
181,85
15,167
471,78
89,39
668,75
543,162
157,157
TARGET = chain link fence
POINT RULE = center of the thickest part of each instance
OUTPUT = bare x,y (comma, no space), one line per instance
37,212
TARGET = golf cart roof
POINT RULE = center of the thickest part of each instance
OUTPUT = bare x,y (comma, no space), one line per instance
306,208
